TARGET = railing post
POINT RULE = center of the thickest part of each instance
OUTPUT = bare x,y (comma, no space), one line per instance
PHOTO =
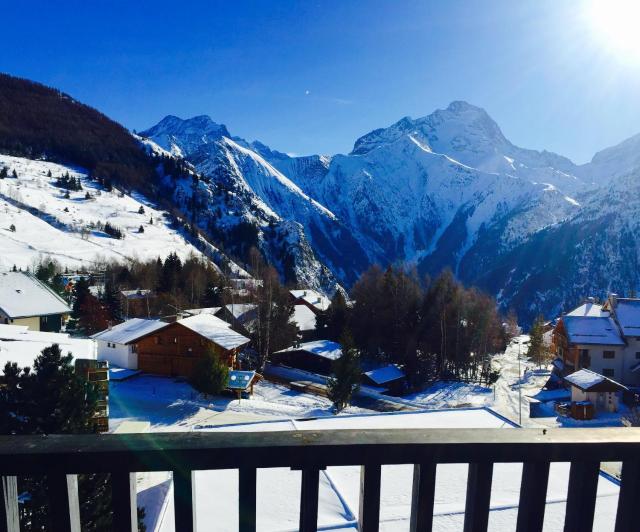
183,500
309,489
247,499
424,487
629,498
9,511
124,500
581,496
369,516
476,513
533,496
64,506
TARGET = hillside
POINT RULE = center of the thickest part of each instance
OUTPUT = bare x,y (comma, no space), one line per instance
71,230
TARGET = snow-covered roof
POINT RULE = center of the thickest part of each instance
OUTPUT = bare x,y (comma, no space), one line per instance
214,329
130,330
386,374
21,345
627,313
589,330
586,380
304,318
240,380
136,294
322,348
204,310
22,295
589,309
241,311
312,297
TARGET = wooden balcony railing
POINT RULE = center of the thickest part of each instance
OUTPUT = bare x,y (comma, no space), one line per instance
60,458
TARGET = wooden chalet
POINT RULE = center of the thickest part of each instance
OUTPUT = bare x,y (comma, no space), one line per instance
315,357
175,349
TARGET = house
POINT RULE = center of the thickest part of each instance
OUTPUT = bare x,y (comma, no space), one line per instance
317,356
241,316
305,319
591,392
118,345
136,302
24,300
311,298
390,378
604,338
176,348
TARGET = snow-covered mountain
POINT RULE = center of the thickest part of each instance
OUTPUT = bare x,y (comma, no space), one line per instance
445,190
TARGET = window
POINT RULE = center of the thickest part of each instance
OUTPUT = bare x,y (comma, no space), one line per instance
134,348
608,372
608,354
637,355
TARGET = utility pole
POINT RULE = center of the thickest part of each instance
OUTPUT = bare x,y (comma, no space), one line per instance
519,384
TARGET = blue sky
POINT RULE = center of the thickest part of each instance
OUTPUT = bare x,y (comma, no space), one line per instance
311,77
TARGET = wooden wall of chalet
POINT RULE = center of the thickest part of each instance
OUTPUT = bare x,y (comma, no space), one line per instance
175,350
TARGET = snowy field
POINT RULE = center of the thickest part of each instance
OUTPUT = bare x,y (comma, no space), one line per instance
54,228
279,489
173,405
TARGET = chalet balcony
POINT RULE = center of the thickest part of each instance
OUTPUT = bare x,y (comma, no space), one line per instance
61,457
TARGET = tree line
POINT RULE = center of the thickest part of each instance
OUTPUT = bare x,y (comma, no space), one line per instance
434,329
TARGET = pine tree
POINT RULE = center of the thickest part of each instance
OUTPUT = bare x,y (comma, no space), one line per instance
537,351
141,210
332,323
345,380
210,374
4,172
49,173
140,229
14,174
12,228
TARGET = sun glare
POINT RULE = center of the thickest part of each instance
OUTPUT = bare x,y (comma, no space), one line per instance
616,23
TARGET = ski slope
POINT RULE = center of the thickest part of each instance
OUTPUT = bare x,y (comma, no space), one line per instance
47,224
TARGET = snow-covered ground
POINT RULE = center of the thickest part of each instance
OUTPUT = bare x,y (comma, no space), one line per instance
47,224
173,405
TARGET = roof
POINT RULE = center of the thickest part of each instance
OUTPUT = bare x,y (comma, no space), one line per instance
204,310
21,345
592,310
136,294
22,295
627,312
241,311
386,374
590,381
322,348
240,380
130,331
312,297
589,330
214,329
304,318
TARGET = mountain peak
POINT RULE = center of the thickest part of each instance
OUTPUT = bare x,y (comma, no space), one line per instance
182,136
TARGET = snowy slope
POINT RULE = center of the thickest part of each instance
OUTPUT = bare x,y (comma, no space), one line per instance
47,224
296,232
